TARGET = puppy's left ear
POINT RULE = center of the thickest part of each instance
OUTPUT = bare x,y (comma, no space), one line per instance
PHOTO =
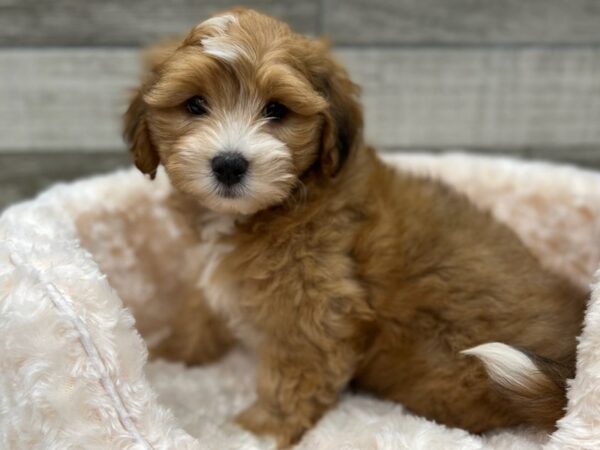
343,121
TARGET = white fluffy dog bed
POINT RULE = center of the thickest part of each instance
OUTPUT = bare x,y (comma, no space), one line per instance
78,263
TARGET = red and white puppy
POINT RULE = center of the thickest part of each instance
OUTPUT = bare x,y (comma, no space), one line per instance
333,266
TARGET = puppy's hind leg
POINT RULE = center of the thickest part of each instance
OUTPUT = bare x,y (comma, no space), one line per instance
198,335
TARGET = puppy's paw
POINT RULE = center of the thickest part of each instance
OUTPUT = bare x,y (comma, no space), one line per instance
172,347
205,345
163,350
259,420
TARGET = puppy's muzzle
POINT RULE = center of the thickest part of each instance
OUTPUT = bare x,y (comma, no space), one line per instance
229,168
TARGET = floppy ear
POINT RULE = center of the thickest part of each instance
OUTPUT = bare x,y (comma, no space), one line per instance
343,122
137,136
135,130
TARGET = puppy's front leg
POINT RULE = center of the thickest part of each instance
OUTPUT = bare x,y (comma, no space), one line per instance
295,387
198,335
302,370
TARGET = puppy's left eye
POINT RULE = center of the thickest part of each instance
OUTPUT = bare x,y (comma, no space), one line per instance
275,110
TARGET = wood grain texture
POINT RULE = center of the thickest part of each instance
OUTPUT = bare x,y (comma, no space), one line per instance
118,22
428,97
72,99
586,156
23,175
56,99
462,21
577,155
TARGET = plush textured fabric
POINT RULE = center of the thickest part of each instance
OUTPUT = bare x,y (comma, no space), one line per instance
73,370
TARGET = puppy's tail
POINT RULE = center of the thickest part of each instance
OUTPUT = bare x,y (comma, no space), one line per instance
534,386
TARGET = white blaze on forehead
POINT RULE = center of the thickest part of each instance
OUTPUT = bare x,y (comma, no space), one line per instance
220,23
218,44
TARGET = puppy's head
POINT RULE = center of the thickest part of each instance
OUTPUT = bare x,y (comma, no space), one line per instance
240,110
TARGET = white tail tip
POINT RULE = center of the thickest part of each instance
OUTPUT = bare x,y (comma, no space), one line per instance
506,365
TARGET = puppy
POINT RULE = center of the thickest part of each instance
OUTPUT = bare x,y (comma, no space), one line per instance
334,267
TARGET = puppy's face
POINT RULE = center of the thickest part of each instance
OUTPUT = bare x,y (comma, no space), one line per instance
240,110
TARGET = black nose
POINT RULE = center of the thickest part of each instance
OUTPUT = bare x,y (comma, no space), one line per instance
229,167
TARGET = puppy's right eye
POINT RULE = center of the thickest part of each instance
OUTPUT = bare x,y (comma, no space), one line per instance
196,105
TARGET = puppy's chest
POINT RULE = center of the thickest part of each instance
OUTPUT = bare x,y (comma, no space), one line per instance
220,286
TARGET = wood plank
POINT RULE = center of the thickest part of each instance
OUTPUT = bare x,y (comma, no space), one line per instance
462,21
24,175
72,99
56,99
428,97
587,156
117,22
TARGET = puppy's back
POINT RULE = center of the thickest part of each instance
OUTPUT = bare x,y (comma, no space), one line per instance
446,277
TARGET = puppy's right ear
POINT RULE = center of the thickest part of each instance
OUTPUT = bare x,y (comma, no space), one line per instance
135,130
137,136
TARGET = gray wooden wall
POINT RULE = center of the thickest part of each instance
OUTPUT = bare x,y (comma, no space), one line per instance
519,77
